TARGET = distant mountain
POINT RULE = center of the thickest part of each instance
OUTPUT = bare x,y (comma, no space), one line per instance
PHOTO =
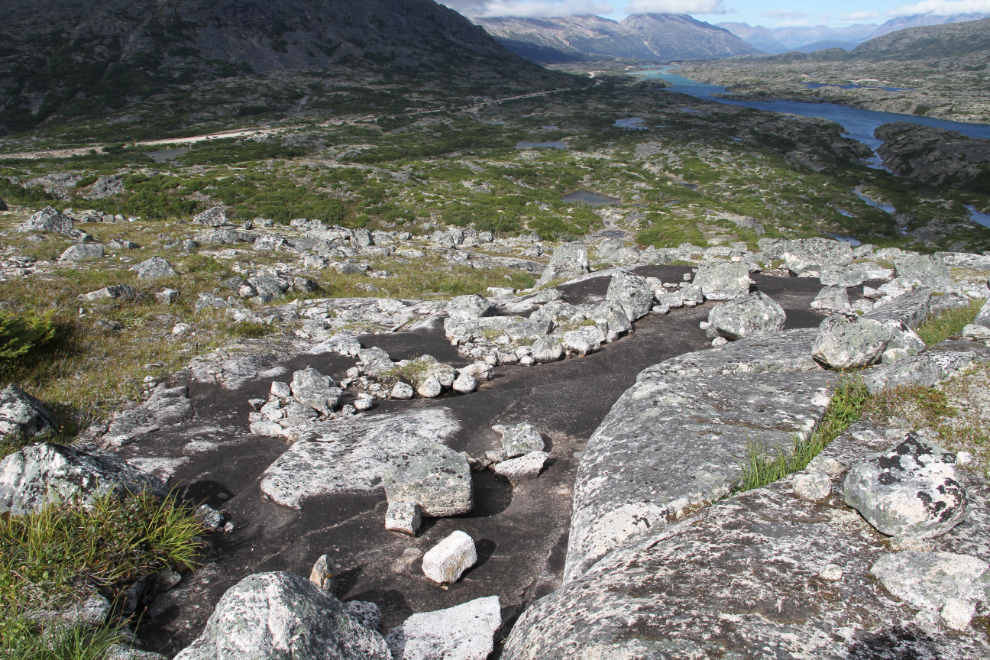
68,58
825,45
783,39
655,37
935,41
902,22
756,36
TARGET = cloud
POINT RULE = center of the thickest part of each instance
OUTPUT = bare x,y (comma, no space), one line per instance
943,8
676,7
527,9
783,13
858,15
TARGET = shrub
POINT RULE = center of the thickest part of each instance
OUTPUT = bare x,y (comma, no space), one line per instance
23,336
937,329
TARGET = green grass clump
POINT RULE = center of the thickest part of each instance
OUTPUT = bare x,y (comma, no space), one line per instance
24,639
764,466
23,336
950,322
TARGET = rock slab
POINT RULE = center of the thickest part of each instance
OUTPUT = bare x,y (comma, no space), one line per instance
464,632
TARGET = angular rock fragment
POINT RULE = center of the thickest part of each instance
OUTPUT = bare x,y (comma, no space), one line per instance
911,308
366,613
315,390
154,268
322,575
464,383
569,260
812,486
23,416
927,580
723,280
750,316
928,368
429,388
464,632
433,476
402,391
469,307
447,560
910,491
403,517
983,317
524,468
82,251
547,349
276,616
53,220
844,343
832,299
214,217
631,293
583,340
519,439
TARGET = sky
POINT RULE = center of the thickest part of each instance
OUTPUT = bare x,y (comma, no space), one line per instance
769,13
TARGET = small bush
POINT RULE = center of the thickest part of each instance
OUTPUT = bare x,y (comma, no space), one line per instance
23,336
950,322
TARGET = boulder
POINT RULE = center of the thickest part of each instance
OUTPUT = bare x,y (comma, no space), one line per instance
403,517
612,319
910,309
832,299
927,368
154,268
925,269
82,251
315,390
519,439
23,416
723,280
53,220
362,238
111,292
429,388
215,217
464,383
631,293
464,632
547,349
447,560
402,391
909,491
583,340
366,613
278,616
983,317
843,276
928,580
433,476
524,468
165,407
43,473
812,486
753,315
470,307
569,260
844,343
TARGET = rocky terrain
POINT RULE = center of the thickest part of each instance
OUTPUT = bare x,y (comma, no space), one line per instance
935,157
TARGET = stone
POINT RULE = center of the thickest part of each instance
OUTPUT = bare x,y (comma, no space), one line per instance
569,260
519,439
464,632
470,307
122,652
402,391
911,309
429,388
831,572
404,517
723,280
266,429
315,390
927,368
50,219
583,340
910,491
844,343
524,468
446,562
547,349
927,580
631,293
843,276
154,268
278,616
210,518
43,473
214,217
465,384
812,486
167,406
753,315
167,296
832,299
322,574
925,269
82,251
280,389
433,476
363,402
976,332
23,416
957,613
111,292
983,317
366,613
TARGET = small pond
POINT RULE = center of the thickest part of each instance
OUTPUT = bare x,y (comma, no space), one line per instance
635,123
165,155
976,216
846,239
886,208
613,233
851,86
589,198
541,145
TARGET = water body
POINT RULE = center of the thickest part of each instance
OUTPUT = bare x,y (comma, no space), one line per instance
886,208
851,86
589,198
853,241
858,123
976,216
541,145
635,123
165,155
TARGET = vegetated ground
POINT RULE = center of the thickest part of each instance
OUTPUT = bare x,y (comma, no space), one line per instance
703,173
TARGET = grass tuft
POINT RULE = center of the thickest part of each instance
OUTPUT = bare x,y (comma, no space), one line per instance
949,323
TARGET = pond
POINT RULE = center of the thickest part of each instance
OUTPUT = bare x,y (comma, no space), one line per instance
541,145
886,208
851,86
589,198
846,239
635,123
165,155
976,216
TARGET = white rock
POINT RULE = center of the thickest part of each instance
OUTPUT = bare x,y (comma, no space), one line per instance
964,458
366,613
814,486
430,388
281,390
180,329
464,632
403,517
957,613
465,383
363,403
720,341
519,439
448,560
402,391
927,580
831,572
523,468
266,428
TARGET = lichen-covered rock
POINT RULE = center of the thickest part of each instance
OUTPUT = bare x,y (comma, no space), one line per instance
464,632
909,491
844,343
583,340
843,276
154,268
524,468
50,219
447,560
82,251
723,280
631,293
404,517
927,580
832,299
214,217
464,383
927,368
278,616
111,292
43,473
754,315
433,476
925,269
519,439
547,349
470,307
315,390
21,415
165,407
910,309
983,317
812,486
569,260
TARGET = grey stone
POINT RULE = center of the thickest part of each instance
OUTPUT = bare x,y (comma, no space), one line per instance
631,293
209,517
366,613
524,468
322,573
464,632
929,367
50,219
922,268
167,296
82,251
519,439
315,390
844,343
723,280
214,217
43,473
812,486
23,416
470,307
927,580
547,349
832,299
278,616
154,268
464,383
583,340
111,292
957,613
167,406
362,238
515,327
433,476
909,491
210,301
429,388
402,391
983,317
911,309
569,260
447,560
843,276
611,319
403,517
753,315
976,332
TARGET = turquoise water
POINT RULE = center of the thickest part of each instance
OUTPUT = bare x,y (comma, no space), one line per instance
859,124
982,218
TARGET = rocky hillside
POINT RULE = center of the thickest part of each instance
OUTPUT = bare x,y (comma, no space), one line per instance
935,156
936,41
640,36
63,59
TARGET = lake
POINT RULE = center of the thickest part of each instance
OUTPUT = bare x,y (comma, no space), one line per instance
540,145
589,198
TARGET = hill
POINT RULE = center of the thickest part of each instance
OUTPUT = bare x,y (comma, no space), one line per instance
929,42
